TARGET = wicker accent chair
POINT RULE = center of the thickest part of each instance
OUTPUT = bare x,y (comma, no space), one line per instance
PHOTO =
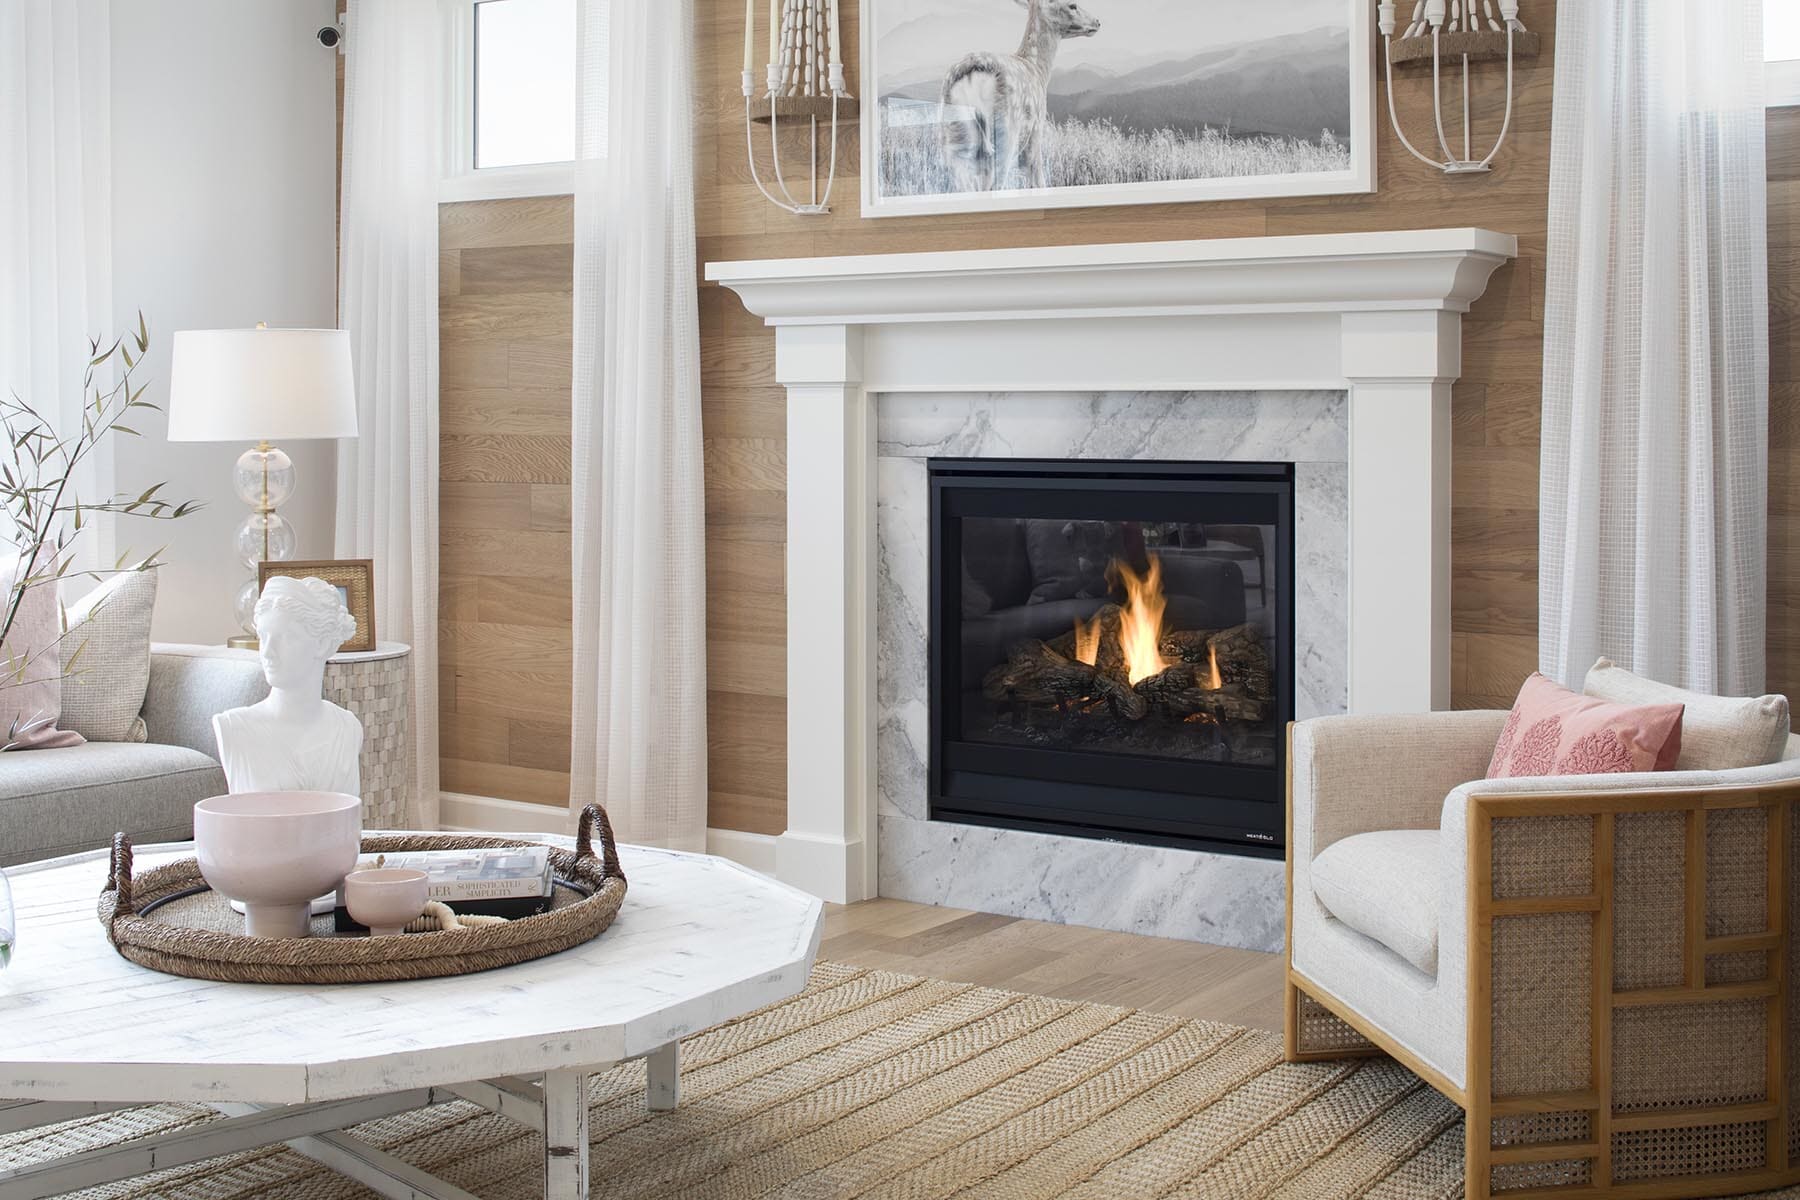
1614,1000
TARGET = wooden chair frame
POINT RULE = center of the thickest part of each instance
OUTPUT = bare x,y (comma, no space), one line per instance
1479,1100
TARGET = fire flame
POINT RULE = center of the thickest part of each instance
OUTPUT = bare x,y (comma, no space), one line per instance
1214,683
1141,628
1087,641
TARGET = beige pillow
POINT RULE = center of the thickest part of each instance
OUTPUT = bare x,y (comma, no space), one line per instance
103,686
1718,733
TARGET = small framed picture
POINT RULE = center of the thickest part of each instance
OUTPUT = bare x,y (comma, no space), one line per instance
354,578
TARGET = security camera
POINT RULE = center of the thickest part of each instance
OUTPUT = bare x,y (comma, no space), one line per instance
329,36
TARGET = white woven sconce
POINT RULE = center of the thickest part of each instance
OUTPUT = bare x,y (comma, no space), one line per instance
1452,29
804,82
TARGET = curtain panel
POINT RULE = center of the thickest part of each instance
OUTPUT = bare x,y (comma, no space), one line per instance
1655,425
56,223
637,508
387,478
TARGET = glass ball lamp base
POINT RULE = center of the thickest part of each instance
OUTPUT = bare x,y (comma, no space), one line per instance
264,479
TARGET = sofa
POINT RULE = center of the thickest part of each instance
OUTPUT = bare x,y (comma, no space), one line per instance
62,801
1599,969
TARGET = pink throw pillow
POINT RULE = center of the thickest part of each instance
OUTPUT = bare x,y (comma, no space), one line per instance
34,704
1553,731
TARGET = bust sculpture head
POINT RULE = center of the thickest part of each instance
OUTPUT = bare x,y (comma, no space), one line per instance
295,740
300,623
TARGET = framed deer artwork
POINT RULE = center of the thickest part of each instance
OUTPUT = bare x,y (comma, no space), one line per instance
984,105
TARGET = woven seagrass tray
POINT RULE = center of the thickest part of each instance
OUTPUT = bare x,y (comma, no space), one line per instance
169,920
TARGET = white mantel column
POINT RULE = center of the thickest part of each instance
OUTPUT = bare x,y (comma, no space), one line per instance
1400,366
829,846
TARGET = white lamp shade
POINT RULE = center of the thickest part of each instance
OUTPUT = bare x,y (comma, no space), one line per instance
248,385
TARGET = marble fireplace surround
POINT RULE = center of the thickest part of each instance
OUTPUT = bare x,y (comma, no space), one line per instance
1376,316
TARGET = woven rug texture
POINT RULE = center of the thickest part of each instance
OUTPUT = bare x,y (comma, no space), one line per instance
877,1085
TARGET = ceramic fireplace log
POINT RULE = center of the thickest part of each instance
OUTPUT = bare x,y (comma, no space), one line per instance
1242,657
1186,645
1243,660
1186,690
1035,674
1112,675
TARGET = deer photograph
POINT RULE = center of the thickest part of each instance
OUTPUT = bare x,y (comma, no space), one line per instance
992,104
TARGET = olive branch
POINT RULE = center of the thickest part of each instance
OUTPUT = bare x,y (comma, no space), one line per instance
45,514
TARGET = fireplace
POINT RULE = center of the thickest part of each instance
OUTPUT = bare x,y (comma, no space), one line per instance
1047,334
1111,648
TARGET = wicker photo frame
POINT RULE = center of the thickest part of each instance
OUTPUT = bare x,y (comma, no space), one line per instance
354,577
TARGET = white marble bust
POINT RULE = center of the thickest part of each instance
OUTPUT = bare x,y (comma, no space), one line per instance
295,740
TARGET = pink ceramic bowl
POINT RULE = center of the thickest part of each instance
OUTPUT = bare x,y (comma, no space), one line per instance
386,899
275,851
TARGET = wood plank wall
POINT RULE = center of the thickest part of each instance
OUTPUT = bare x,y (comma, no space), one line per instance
1494,522
1784,401
505,431
505,312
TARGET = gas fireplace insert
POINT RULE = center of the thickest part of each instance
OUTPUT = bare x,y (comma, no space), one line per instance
1112,648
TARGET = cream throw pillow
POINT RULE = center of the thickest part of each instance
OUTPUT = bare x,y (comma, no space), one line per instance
104,684
1718,733
1384,885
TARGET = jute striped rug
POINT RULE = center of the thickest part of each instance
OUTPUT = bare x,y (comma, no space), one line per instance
872,1084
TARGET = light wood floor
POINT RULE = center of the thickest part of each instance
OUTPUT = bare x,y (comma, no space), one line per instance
1188,979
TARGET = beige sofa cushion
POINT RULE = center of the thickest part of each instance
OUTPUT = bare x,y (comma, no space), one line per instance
106,659
1718,733
1385,886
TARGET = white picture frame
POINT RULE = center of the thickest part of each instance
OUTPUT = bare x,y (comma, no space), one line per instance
880,198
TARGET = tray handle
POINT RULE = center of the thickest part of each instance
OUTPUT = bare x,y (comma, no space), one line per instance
118,875
591,816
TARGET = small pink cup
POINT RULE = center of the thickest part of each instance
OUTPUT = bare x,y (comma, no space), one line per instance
386,899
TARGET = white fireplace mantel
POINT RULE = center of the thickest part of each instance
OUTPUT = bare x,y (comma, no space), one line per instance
1375,314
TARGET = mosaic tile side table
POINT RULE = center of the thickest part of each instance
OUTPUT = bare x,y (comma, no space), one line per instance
376,685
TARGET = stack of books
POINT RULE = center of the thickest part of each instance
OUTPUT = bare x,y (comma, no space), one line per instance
511,882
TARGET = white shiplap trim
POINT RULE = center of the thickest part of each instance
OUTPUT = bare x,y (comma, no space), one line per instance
463,813
459,812
753,850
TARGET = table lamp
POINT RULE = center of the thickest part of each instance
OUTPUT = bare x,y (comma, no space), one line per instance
261,385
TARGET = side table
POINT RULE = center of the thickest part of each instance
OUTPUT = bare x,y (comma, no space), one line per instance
376,685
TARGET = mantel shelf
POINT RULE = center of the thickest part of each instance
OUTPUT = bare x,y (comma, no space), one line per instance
1403,270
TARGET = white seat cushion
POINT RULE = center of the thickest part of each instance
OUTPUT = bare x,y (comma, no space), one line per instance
1385,886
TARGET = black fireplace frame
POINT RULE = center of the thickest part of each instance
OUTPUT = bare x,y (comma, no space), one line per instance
1233,809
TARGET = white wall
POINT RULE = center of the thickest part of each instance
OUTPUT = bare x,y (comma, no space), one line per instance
224,163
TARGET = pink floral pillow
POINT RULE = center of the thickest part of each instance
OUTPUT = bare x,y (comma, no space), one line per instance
1553,731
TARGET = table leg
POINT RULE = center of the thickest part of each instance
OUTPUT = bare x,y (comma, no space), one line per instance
565,1135
662,1090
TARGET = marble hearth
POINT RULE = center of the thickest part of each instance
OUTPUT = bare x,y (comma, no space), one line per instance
1334,352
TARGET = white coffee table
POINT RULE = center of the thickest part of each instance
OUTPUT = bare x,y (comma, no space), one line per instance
699,940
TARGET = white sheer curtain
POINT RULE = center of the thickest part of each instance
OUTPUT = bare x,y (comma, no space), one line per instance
56,220
387,499
640,618
1655,436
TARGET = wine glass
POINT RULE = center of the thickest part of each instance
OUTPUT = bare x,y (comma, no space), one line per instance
7,923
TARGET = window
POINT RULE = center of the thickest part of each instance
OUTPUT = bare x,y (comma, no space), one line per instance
1781,51
512,94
